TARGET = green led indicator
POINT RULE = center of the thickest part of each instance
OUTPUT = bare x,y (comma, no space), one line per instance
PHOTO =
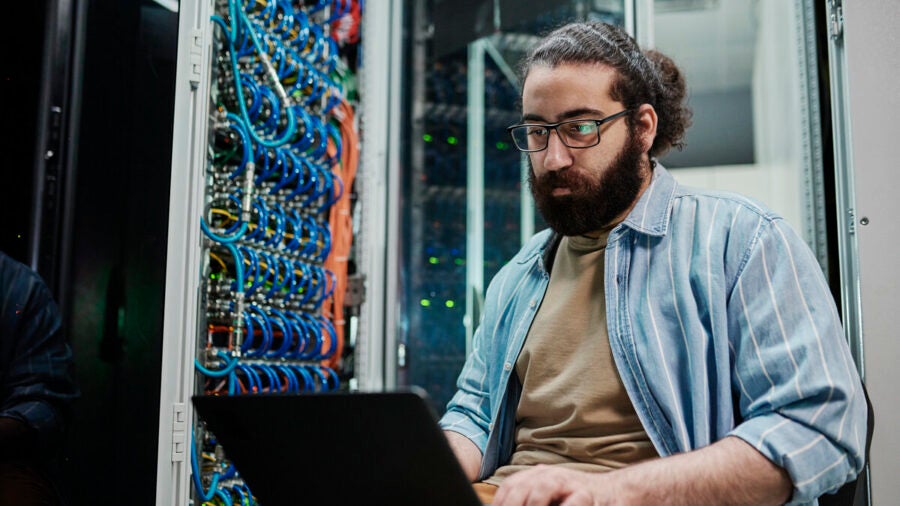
502,145
425,302
120,323
459,261
452,140
433,260
449,303
427,138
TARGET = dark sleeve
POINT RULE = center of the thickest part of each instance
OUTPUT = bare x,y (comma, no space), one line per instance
35,361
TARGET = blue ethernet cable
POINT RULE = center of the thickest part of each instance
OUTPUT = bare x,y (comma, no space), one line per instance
303,291
293,382
313,336
287,172
309,384
254,384
332,277
332,333
277,277
303,336
335,135
249,494
238,265
252,272
333,379
262,322
262,219
280,320
240,493
251,85
204,495
326,243
293,219
226,498
305,138
308,288
319,283
267,372
306,177
225,240
237,125
338,11
291,117
291,283
230,364
266,168
250,337
271,123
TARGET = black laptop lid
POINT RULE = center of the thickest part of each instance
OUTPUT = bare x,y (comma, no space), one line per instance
338,448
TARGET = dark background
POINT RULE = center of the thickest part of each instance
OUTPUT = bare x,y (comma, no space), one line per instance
100,241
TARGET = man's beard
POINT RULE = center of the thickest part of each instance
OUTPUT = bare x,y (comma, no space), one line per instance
595,199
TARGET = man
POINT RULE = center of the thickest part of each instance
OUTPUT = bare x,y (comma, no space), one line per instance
36,386
660,345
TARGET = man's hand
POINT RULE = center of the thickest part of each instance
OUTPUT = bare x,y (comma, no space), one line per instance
544,485
728,472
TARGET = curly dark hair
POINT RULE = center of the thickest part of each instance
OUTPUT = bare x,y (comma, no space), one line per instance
643,77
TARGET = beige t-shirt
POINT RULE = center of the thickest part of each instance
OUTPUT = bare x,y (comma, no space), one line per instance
574,410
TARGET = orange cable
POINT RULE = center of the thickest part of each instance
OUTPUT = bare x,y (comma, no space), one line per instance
341,224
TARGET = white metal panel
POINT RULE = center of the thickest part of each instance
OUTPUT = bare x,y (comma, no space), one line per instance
873,59
183,256
376,355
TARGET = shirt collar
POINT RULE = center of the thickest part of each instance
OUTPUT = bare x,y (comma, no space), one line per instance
649,216
651,213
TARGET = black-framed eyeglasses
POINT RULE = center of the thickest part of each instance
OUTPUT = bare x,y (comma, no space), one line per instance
575,133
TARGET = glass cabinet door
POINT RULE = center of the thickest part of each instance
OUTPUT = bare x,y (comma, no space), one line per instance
466,205
753,84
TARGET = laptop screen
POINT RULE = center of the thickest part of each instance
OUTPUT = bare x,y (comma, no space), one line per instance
338,448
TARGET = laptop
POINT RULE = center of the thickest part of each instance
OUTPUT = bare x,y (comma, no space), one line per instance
348,448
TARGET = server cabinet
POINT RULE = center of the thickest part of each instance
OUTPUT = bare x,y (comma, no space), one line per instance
466,208
265,152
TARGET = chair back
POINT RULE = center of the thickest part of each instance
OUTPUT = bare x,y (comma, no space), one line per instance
854,493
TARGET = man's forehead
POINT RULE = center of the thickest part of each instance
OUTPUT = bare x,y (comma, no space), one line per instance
570,67
567,89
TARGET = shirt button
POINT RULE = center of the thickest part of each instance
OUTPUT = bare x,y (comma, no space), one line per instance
532,303
507,366
491,426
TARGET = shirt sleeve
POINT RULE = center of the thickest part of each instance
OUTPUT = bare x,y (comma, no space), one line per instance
801,399
468,412
37,381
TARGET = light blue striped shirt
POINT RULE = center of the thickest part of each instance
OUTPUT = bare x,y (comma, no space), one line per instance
720,322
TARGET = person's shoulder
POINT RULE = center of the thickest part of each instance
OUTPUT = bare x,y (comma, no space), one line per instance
18,281
723,203
11,269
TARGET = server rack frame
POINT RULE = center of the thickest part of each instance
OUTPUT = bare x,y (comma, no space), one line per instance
182,292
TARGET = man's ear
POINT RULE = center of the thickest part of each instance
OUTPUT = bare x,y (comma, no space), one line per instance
646,126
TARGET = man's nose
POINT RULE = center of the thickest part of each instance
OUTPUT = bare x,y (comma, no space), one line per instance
557,156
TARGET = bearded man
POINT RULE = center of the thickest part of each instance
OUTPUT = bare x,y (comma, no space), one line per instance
658,344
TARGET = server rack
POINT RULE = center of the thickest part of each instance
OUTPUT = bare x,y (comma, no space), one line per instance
466,205
260,253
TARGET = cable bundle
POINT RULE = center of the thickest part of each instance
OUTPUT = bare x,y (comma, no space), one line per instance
283,154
